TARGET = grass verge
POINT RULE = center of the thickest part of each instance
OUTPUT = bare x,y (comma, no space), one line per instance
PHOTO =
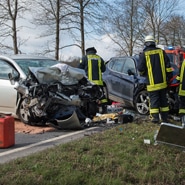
117,156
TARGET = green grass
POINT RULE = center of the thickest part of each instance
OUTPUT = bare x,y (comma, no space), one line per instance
117,156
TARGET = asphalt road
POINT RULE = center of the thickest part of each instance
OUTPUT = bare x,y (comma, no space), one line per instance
26,144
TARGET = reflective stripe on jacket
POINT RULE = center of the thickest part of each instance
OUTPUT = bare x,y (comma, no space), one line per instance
94,69
94,66
156,70
182,80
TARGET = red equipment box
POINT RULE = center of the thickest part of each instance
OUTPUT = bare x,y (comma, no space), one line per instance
7,131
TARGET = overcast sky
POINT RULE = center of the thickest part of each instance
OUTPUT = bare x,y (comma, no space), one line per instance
33,44
105,47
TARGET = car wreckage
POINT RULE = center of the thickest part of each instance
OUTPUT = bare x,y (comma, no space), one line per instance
60,96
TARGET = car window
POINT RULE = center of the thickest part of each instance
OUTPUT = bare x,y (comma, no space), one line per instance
117,64
5,68
110,64
129,64
25,63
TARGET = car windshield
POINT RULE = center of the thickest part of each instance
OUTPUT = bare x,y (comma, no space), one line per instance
25,63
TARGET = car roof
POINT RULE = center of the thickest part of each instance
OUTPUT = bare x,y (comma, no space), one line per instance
135,57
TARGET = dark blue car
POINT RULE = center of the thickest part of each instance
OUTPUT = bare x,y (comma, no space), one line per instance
124,84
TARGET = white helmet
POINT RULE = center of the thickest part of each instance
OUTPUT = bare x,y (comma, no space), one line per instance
149,38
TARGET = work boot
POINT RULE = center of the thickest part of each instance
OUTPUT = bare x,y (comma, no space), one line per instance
155,118
164,117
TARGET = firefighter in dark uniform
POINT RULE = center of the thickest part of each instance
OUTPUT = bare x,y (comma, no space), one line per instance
155,65
94,66
182,93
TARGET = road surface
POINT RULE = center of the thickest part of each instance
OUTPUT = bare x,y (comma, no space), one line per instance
26,144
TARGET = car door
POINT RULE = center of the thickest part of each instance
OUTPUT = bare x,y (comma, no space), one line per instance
114,76
127,81
8,95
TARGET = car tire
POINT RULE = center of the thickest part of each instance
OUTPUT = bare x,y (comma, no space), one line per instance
142,103
23,113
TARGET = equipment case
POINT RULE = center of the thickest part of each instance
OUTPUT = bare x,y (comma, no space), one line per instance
7,131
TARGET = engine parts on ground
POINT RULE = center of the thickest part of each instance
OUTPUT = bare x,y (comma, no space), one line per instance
71,123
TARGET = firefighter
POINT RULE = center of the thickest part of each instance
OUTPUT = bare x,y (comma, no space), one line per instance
94,66
182,93
155,65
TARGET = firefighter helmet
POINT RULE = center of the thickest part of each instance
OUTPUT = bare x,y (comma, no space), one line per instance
91,49
149,38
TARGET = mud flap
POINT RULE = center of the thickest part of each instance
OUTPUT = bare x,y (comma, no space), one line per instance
171,134
71,123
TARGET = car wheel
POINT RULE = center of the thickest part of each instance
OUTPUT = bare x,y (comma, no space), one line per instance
23,112
142,103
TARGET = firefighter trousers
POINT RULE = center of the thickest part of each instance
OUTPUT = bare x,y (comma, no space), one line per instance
159,104
182,106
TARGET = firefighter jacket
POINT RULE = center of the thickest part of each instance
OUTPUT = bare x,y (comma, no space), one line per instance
182,80
155,65
94,66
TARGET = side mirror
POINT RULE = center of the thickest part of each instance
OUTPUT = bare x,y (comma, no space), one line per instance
130,72
10,76
14,76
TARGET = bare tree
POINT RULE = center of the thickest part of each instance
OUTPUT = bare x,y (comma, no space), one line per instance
174,31
52,16
131,21
10,11
59,17
157,12
126,22
125,25
85,19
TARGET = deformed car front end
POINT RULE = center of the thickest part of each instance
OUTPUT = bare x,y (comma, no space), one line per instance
55,94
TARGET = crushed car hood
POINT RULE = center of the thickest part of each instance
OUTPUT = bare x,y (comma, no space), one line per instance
64,73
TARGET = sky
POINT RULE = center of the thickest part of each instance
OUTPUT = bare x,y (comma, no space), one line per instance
104,45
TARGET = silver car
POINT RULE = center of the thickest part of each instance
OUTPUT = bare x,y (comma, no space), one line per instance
18,65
